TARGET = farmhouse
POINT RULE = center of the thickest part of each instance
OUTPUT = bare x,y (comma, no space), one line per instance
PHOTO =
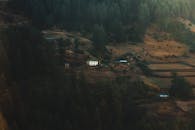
93,63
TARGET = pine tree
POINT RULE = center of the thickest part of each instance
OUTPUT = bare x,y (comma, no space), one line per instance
99,37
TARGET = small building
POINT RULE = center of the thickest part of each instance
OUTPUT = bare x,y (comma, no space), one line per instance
163,95
123,61
66,66
93,63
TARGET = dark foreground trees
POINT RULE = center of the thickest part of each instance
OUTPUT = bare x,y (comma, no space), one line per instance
44,97
180,88
47,98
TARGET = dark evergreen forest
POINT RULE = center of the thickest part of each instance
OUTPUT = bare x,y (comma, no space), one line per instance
118,18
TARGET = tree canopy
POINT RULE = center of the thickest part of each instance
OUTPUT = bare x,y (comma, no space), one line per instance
84,14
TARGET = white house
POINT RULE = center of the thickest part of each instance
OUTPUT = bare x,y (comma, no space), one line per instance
164,95
93,63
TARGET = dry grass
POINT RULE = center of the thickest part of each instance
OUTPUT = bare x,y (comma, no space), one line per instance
186,106
168,66
190,60
186,73
150,83
165,109
152,50
162,49
167,74
191,80
121,49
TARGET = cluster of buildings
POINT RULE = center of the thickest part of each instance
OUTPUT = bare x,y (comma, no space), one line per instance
72,57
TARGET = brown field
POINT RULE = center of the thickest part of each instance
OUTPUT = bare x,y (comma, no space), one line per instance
121,49
191,80
165,109
162,82
168,66
152,50
150,83
186,73
186,106
166,74
163,49
178,73
190,60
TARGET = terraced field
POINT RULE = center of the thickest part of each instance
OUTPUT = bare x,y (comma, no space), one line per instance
165,70
166,67
169,74
191,80
190,60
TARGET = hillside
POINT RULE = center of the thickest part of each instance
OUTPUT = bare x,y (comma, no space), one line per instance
7,18
97,65
159,49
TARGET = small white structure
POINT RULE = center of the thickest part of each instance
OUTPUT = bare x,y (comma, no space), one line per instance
163,95
123,61
66,65
93,63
